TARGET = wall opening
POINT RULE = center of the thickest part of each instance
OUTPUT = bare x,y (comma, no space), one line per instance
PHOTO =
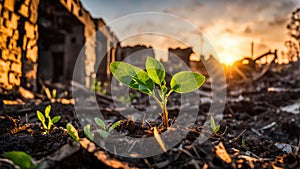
61,37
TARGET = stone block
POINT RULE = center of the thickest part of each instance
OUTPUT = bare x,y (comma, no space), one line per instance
30,30
9,4
24,10
5,29
4,78
33,17
6,14
14,79
32,54
33,11
5,54
14,21
16,67
4,66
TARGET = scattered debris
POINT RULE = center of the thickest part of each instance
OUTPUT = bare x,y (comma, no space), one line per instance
222,153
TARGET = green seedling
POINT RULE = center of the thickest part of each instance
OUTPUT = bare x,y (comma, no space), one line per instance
54,93
213,125
50,120
72,132
243,142
23,160
144,81
103,130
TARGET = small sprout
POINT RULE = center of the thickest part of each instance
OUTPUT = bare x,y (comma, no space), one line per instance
42,118
213,125
54,94
113,126
103,134
100,123
243,141
88,133
24,160
104,130
72,132
144,81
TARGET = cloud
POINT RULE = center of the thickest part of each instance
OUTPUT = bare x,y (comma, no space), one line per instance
278,21
231,25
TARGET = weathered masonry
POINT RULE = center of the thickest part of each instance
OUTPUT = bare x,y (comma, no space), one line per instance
42,39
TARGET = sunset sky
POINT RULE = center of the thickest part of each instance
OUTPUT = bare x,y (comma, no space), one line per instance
229,25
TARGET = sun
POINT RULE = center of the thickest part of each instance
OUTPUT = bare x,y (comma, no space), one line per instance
228,60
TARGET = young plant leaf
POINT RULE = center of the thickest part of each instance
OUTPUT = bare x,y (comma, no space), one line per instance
49,126
184,82
20,158
72,132
88,133
132,77
40,116
155,70
100,123
113,126
212,123
217,128
47,111
55,119
103,134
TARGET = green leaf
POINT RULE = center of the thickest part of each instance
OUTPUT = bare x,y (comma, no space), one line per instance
72,132
186,81
132,77
55,119
40,116
217,128
88,133
103,134
49,125
113,126
212,123
155,70
100,123
164,89
47,111
22,159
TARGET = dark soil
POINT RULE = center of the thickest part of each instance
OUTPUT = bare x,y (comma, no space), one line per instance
253,125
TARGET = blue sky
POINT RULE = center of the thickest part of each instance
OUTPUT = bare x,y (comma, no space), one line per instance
229,25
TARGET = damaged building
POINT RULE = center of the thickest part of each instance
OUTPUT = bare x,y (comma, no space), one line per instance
42,40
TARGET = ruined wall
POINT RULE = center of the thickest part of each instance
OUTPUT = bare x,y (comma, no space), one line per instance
65,27
183,54
92,48
106,50
137,54
18,46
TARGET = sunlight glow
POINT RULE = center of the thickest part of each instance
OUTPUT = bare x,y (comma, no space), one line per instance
229,52
227,60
